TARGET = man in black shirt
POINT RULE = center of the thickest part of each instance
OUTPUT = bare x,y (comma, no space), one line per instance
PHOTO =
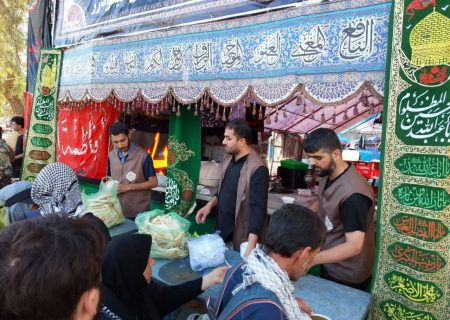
17,124
243,193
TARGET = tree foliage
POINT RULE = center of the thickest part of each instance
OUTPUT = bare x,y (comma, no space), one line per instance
13,33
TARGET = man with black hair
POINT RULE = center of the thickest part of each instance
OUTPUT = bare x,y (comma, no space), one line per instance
262,287
133,168
17,124
242,197
346,205
50,269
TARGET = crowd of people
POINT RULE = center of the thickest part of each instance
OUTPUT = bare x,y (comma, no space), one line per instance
58,261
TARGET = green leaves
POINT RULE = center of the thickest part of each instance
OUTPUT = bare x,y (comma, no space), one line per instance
13,35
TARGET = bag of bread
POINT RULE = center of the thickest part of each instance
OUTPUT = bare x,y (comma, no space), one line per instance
105,203
169,232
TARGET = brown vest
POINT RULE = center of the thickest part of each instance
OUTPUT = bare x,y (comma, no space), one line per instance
358,268
132,202
242,212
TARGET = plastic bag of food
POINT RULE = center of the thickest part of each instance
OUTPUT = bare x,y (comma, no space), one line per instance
105,203
206,251
169,233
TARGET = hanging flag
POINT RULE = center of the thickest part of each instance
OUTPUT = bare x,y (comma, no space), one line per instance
412,279
183,160
83,138
40,147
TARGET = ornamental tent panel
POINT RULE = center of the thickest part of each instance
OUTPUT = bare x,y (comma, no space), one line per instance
318,49
304,113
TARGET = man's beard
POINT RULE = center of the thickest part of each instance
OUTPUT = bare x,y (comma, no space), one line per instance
230,151
326,171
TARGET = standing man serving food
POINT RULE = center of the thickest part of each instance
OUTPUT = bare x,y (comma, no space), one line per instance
133,168
242,197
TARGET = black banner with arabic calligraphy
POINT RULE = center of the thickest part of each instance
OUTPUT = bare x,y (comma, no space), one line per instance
412,279
83,20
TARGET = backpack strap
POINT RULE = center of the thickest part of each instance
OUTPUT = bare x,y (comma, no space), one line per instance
255,294
214,305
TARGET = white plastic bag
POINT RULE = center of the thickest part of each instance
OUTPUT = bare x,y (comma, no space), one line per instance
206,251
105,204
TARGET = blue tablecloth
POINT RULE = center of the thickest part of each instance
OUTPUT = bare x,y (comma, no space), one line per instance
127,226
336,301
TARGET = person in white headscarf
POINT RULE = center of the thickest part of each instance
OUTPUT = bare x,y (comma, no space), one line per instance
56,191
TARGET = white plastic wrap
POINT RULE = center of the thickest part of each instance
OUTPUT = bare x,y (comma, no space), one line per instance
206,251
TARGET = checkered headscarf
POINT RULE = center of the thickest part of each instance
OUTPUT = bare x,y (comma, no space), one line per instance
56,190
263,269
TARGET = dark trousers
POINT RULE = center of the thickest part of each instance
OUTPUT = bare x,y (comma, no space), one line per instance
16,169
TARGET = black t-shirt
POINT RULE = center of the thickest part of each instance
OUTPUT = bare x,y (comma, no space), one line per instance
226,207
354,210
19,150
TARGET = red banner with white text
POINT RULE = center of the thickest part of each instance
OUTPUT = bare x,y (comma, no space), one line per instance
83,138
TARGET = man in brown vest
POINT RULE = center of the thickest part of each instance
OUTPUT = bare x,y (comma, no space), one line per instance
346,205
243,192
133,168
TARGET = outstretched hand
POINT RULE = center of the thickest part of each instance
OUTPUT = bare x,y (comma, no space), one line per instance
214,277
201,215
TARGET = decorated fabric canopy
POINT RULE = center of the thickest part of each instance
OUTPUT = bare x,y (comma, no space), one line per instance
327,51
303,113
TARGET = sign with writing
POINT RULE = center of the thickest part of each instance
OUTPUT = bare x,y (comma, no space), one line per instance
413,289
419,227
40,148
418,259
307,44
426,197
319,46
395,310
412,279
83,138
424,165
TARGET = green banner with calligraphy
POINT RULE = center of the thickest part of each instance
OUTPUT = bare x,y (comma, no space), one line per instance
40,148
184,158
412,275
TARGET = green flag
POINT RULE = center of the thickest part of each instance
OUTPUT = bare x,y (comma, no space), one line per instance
183,159
40,148
412,279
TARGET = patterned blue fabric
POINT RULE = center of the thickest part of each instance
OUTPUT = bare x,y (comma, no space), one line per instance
324,43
